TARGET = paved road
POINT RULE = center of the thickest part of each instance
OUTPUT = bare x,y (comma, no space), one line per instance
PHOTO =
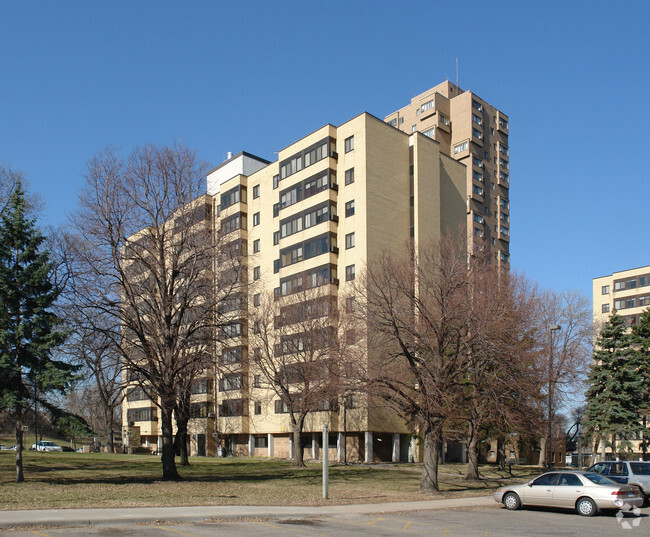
478,522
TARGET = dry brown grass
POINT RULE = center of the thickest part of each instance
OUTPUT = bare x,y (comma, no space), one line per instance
64,480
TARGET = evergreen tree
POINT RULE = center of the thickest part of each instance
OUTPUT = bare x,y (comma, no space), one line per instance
641,341
615,390
29,330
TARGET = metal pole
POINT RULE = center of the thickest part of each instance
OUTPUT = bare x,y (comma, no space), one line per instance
326,469
552,329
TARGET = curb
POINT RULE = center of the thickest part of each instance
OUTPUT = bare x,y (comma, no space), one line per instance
116,516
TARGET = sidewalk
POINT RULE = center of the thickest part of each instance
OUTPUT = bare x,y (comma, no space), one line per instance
82,517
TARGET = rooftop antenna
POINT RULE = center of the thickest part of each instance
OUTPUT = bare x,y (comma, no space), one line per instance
456,71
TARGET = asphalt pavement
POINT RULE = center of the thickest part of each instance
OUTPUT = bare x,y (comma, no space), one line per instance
130,515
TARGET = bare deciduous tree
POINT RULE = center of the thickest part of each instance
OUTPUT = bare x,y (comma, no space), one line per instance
145,258
562,370
445,343
295,348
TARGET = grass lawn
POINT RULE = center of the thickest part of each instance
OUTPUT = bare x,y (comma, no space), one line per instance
60,480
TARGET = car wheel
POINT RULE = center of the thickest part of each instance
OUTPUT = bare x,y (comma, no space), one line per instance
511,501
586,507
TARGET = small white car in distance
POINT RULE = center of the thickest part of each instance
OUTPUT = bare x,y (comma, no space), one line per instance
45,445
586,492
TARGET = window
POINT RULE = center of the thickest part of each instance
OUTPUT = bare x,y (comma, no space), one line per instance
349,144
503,123
256,300
349,273
414,128
477,190
504,231
256,191
477,161
256,327
393,122
281,407
231,355
477,134
478,233
256,219
477,105
230,382
624,303
231,407
503,163
505,257
644,300
349,208
256,273
257,381
258,408
444,120
261,441
477,119
644,280
621,285
349,176
492,186
478,176
605,289
503,149
460,148
427,106
478,218
429,132
350,304
605,308
256,246
306,250
504,217
349,241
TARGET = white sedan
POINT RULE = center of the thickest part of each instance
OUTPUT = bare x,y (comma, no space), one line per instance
45,445
586,492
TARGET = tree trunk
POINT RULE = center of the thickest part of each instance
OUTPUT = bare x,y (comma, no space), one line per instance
19,454
472,455
168,457
429,479
501,453
543,452
181,436
296,424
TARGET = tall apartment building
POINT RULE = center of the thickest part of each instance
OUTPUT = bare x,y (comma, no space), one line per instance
626,291
475,133
333,202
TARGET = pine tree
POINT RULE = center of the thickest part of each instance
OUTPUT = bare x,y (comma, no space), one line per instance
29,329
614,394
641,341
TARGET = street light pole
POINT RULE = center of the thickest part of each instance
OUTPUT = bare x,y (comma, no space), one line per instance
553,328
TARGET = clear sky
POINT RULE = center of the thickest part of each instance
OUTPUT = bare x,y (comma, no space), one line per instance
573,76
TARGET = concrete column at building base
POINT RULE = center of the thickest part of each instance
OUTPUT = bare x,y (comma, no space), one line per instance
314,446
271,447
368,439
396,445
340,446
251,445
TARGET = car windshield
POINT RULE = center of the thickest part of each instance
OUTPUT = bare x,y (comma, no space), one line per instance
640,468
47,443
600,479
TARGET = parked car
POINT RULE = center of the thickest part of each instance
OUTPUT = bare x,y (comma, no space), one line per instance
46,445
586,492
627,472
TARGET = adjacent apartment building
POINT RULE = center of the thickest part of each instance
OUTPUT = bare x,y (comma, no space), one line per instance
627,292
333,202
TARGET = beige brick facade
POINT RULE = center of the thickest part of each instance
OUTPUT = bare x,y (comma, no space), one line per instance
386,186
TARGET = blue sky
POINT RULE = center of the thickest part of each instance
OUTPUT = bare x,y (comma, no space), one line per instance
227,76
